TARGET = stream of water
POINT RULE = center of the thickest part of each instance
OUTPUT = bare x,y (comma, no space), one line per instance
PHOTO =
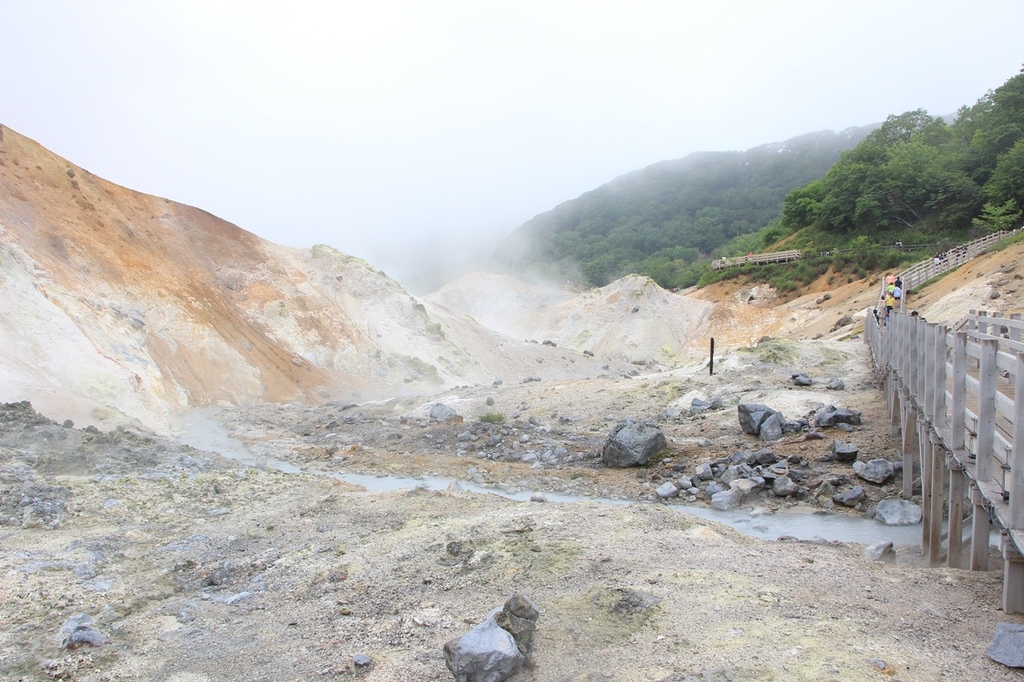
202,430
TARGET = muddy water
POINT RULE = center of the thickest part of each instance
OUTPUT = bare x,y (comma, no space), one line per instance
202,430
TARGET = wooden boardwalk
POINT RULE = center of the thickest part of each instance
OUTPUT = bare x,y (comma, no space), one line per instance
952,391
756,259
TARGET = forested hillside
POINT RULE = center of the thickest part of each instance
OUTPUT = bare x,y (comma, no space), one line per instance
915,186
917,178
914,180
662,220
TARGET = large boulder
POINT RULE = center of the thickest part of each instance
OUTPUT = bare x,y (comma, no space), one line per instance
752,416
832,415
633,444
850,497
726,499
1007,646
496,648
844,452
772,428
897,513
875,470
439,412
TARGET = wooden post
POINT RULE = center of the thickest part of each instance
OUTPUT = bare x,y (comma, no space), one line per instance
927,387
1013,577
938,479
1015,331
938,380
908,454
987,410
910,380
980,529
925,454
954,555
958,417
1016,459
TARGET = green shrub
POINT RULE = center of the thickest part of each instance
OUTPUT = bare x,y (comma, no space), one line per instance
492,418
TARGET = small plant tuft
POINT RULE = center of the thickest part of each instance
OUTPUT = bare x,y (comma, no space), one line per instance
492,418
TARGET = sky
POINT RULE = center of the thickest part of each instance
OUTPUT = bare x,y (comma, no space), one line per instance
415,134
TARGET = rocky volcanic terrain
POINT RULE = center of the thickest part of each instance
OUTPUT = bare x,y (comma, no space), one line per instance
130,550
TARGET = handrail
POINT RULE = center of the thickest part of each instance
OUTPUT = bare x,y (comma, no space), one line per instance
920,272
965,383
756,259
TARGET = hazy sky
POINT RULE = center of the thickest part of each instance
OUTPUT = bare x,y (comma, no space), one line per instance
389,129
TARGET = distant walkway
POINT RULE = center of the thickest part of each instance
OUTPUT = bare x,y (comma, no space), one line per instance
756,259
919,273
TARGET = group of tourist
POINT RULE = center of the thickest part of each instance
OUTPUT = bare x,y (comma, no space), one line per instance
891,296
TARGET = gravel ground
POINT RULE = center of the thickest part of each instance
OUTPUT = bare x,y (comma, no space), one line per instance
198,568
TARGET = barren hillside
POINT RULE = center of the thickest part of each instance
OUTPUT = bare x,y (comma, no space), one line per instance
116,304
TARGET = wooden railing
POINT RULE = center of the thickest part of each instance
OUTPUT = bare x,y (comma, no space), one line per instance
953,390
919,273
756,259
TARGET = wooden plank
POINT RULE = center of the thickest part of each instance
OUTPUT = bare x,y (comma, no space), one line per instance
980,529
955,552
1017,453
959,390
938,378
1013,578
925,454
987,410
938,479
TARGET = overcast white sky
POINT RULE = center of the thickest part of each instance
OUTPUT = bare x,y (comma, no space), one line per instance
388,128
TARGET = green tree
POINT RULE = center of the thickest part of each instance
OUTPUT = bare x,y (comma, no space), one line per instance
994,218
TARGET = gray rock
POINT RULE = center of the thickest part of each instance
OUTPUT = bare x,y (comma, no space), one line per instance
844,452
835,384
747,486
832,415
880,551
669,413
898,513
714,488
1007,645
765,457
752,415
843,321
487,653
704,472
875,470
496,648
666,490
731,474
79,631
726,499
849,497
439,412
802,379
772,427
783,486
697,406
519,617
633,444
